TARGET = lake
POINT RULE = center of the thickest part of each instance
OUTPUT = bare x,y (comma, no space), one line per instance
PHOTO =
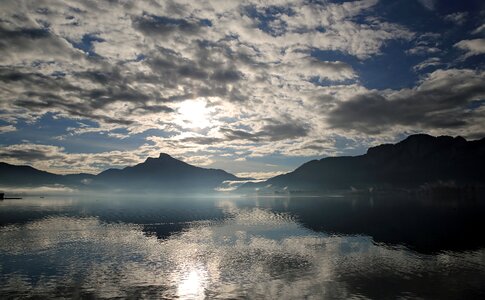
326,247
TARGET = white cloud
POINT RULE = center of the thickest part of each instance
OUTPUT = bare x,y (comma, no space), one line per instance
423,50
7,128
430,62
472,47
479,30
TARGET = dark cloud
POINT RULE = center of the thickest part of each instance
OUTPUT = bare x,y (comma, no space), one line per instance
201,140
49,93
226,75
29,154
236,134
10,75
441,102
103,77
153,25
81,110
30,43
153,109
275,131
204,76
8,36
316,147
174,68
281,131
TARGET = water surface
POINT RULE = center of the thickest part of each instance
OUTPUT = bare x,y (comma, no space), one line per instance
227,247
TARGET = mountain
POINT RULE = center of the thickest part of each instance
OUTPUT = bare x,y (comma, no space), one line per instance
164,173
417,160
26,176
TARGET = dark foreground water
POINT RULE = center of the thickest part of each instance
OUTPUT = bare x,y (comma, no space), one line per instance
279,248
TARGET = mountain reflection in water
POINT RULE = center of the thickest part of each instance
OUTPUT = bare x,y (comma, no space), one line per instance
316,247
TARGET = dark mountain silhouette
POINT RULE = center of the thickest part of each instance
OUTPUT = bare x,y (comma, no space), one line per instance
164,173
25,175
417,160
12,175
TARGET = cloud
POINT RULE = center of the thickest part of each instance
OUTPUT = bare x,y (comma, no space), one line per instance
459,18
472,47
440,101
7,128
310,67
430,62
162,26
429,4
30,153
273,131
425,44
423,50
341,33
100,96
25,44
55,159
479,30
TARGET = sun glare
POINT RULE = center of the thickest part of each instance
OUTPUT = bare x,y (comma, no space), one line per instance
194,114
192,286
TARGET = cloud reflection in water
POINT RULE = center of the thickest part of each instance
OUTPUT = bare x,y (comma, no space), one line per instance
254,252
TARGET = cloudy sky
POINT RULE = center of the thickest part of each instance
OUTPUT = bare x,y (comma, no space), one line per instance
254,87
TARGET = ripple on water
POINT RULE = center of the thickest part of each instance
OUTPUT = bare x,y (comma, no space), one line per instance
252,253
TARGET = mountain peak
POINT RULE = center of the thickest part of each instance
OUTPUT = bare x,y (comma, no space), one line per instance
165,156
419,137
162,157
164,173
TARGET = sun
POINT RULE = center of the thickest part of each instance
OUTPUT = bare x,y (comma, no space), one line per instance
194,114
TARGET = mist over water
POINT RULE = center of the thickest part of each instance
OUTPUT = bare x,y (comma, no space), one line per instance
228,247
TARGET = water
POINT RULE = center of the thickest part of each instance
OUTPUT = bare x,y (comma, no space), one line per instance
279,248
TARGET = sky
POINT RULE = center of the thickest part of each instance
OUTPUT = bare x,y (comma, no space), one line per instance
253,87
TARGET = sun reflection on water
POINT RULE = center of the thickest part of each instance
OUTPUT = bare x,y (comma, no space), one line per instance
192,285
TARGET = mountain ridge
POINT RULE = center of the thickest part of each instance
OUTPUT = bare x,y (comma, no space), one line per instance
417,160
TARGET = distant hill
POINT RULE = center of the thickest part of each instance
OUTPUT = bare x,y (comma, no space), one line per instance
25,176
164,173
417,160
